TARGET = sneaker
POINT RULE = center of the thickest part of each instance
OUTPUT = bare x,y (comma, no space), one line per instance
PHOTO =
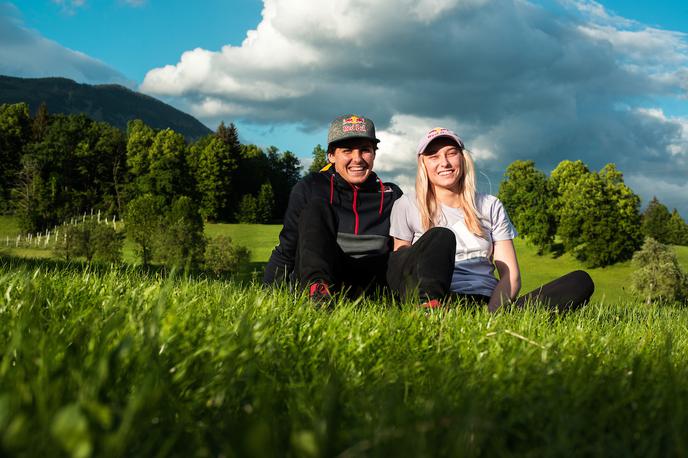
432,304
319,293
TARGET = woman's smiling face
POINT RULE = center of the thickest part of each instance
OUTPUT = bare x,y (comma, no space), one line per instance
443,160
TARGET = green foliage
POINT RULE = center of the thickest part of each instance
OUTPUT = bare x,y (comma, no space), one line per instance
677,229
143,224
319,159
116,362
527,198
181,242
90,240
73,165
655,221
265,204
163,170
222,257
15,124
598,216
257,167
248,210
659,276
214,161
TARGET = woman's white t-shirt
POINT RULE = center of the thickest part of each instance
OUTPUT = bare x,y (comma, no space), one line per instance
473,266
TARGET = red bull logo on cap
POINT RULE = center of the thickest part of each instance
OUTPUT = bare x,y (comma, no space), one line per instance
437,131
354,124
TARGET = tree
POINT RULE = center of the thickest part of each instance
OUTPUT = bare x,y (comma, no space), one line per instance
15,130
527,198
182,243
248,210
599,220
655,221
215,168
658,276
143,223
319,159
265,204
677,229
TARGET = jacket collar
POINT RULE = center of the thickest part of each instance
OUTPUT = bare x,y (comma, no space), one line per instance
370,184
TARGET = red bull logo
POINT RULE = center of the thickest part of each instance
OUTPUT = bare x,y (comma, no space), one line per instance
437,131
353,124
354,120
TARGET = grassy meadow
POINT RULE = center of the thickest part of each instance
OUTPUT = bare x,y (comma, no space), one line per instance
120,361
612,284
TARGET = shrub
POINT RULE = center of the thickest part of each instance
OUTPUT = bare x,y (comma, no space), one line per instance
107,243
91,241
222,257
659,276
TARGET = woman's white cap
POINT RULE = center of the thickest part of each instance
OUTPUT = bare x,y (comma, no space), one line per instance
437,132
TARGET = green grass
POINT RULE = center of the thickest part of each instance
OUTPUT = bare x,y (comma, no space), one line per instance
611,283
100,362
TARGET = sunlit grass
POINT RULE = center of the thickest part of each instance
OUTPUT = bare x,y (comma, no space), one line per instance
123,362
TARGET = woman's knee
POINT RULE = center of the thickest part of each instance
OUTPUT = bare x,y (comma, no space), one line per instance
441,238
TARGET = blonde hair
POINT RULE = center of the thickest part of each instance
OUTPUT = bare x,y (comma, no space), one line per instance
427,201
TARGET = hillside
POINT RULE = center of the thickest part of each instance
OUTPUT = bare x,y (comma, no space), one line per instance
111,103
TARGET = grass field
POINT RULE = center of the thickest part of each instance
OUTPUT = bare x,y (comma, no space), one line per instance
98,361
612,283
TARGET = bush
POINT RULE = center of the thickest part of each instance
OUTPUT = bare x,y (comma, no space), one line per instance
223,258
659,276
91,241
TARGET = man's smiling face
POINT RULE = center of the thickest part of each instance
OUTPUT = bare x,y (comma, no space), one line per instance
353,159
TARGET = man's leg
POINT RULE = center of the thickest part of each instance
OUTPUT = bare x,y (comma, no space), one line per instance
426,266
566,293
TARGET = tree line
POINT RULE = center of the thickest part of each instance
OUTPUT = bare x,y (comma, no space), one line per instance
54,166
593,215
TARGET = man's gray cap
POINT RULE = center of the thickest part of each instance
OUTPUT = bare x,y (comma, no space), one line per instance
351,126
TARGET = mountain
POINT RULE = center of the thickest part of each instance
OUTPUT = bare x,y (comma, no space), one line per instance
111,103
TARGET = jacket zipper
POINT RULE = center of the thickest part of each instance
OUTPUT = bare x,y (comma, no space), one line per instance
355,209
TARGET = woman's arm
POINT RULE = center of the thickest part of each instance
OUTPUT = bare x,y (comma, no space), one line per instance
509,274
399,244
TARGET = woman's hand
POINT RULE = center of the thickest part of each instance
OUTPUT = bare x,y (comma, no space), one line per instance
509,274
399,244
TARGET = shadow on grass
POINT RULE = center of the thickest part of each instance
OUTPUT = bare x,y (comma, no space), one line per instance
248,273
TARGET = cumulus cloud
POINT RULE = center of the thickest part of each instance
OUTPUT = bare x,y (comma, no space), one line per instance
546,81
26,53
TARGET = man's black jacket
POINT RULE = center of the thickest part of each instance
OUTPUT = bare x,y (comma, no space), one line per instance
363,212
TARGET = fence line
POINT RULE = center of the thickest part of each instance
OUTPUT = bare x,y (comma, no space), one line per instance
49,237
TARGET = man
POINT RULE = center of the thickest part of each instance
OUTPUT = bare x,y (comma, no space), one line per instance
336,228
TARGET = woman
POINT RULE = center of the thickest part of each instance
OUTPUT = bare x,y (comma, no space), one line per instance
446,197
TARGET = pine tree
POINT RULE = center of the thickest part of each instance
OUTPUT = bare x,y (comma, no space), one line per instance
655,221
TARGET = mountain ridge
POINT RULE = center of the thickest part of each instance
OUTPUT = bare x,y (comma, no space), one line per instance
111,103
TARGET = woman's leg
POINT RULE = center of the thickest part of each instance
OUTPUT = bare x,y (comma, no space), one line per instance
426,266
566,293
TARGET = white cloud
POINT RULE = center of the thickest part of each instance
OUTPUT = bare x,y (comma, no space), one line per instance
26,53
517,80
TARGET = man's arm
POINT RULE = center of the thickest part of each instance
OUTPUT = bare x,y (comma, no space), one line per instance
281,262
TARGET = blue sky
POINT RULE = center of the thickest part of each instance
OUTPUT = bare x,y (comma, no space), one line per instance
545,80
